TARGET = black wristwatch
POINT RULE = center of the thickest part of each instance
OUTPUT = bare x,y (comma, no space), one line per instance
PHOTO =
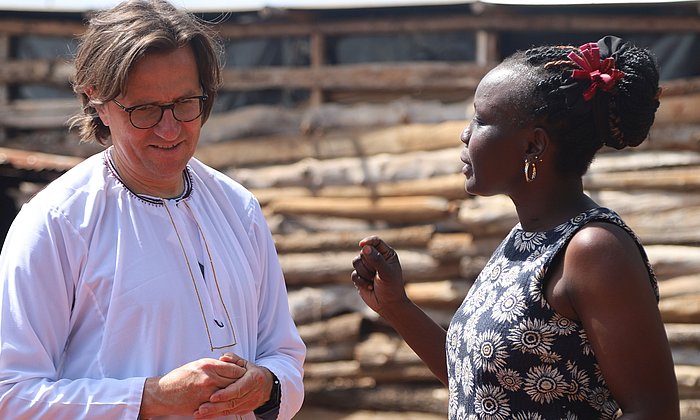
271,408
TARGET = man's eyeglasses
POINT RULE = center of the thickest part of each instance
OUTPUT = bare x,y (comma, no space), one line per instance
149,115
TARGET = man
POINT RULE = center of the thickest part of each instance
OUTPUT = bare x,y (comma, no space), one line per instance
143,283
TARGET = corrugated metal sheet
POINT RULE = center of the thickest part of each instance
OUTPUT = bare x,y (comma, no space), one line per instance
253,5
36,162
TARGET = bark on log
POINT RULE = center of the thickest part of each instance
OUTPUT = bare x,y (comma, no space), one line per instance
380,349
339,329
330,370
449,246
642,160
38,115
282,224
679,286
57,72
357,130
317,353
336,267
388,168
446,294
417,76
488,216
409,397
450,187
688,381
314,174
680,86
671,218
681,109
674,260
685,343
681,309
690,409
677,179
311,304
683,334
395,210
673,137
418,236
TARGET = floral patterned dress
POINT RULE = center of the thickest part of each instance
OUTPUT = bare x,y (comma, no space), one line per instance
510,355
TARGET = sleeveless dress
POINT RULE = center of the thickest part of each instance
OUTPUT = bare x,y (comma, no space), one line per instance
509,354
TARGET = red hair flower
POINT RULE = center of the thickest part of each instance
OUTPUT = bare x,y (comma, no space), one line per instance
602,74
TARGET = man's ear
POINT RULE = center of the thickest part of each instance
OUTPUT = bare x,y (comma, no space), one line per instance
538,143
99,107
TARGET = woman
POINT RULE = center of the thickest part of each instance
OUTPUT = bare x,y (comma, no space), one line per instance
563,322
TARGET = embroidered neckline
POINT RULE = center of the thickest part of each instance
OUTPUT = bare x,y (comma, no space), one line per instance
156,201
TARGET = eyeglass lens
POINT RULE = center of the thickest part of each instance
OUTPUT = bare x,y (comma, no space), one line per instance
148,116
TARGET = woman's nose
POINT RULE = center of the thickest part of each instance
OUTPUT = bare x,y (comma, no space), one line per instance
464,136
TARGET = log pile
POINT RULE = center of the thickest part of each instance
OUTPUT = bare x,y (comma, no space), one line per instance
339,170
340,173
329,176
334,173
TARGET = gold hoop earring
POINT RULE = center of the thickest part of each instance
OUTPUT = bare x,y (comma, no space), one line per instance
530,170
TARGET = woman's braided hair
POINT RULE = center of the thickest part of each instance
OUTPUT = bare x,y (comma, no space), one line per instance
617,118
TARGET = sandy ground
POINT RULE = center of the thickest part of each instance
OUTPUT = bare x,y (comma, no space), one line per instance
313,413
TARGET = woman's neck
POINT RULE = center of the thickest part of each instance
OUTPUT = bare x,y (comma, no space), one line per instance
546,207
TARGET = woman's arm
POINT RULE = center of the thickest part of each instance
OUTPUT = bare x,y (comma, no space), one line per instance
379,280
608,285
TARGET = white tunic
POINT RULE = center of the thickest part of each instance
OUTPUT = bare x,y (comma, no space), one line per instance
101,288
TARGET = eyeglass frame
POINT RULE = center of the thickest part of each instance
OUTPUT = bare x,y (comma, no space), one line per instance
170,106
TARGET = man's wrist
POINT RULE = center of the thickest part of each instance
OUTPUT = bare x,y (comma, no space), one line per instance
270,408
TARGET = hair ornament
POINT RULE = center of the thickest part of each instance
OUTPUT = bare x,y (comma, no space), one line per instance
602,73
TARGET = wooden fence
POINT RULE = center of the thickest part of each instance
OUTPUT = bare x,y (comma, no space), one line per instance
333,170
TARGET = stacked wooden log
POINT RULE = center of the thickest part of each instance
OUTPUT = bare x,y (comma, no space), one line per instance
327,178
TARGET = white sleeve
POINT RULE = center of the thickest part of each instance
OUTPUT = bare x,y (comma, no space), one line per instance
280,347
39,267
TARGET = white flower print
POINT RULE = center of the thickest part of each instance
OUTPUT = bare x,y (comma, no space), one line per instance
532,336
544,384
586,347
491,403
528,416
562,325
598,373
598,398
453,404
577,390
491,352
510,306
508,361
453,339
528,241
458,369
498,266
509,379
469,334
460,413
535,288
531,265
467,377
509,276
550,357
475,298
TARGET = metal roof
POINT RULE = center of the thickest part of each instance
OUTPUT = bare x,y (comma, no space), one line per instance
253,5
